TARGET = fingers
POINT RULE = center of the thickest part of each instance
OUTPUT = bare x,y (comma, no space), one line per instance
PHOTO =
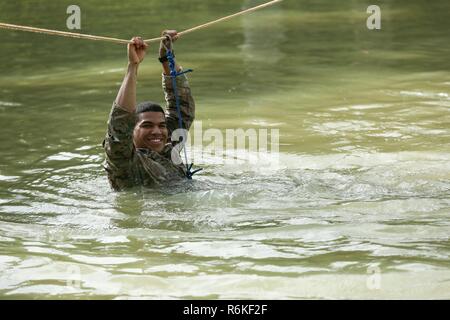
139,43
173,34
136,50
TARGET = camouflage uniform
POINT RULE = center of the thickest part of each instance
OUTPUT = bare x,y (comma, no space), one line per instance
128,166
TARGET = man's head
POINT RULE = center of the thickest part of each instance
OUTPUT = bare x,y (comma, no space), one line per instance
150,131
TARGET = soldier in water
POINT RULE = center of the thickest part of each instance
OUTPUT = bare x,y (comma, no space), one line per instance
137,144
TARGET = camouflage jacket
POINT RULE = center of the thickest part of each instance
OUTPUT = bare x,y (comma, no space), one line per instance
128,166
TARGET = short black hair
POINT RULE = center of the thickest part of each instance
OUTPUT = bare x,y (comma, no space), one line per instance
149,106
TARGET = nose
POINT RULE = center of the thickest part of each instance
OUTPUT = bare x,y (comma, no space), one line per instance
156,130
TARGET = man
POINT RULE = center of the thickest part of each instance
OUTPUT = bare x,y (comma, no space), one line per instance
137,145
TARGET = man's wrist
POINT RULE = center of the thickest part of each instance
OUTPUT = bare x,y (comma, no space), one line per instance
163,57
133,67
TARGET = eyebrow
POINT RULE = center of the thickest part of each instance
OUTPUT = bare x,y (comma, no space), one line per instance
149,122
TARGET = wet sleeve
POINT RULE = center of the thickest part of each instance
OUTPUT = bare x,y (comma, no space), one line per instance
187,104
118,144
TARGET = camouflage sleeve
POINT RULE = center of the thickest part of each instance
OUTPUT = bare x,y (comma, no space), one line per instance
118,145
187,104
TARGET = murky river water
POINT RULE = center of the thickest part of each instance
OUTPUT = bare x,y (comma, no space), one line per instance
358,205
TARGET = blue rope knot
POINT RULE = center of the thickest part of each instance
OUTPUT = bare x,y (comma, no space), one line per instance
174,74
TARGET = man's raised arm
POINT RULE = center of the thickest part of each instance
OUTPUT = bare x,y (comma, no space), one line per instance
118,143
187,104
126,97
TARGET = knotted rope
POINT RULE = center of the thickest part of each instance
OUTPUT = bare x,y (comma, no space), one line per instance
174,74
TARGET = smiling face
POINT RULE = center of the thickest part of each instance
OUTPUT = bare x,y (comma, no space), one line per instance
150,131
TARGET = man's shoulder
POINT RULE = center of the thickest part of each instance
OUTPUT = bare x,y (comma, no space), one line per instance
121,112
121,120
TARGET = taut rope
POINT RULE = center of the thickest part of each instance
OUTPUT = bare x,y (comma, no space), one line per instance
122,41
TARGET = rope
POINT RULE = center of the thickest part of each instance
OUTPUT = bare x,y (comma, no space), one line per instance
62,33
122,41
227,17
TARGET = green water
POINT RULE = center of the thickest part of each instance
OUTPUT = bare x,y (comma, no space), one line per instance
357,207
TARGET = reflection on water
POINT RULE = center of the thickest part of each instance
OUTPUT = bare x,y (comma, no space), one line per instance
362,184
263,41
